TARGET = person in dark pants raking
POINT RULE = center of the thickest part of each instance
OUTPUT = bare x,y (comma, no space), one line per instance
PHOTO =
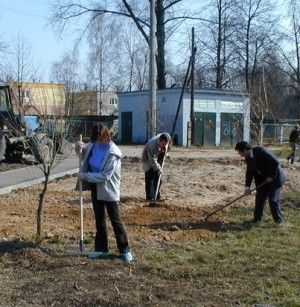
152,159
264,168
101,173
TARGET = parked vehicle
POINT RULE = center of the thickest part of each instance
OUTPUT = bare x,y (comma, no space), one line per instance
18,137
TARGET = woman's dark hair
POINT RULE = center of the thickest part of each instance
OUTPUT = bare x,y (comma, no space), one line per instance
100,130
241,146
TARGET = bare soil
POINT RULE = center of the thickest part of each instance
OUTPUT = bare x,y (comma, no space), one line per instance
46,275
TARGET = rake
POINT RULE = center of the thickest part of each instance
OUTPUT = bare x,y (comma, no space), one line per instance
81,251
162,166
230,203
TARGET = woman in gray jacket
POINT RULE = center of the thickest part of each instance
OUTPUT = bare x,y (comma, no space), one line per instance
101,173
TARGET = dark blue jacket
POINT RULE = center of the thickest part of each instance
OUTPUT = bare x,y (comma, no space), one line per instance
263,164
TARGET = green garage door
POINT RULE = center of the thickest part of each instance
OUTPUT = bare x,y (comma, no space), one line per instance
205,129
231,129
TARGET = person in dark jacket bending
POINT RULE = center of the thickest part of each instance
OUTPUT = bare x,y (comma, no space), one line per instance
264,168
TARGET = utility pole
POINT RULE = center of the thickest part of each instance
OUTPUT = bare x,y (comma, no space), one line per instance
152,70
192,114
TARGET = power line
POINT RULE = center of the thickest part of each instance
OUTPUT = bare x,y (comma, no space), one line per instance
39,2
21,12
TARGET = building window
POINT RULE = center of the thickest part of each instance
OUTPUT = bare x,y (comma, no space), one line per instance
232,105
25,94
113,101
205,104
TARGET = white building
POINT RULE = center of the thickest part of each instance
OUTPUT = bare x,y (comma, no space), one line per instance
221,118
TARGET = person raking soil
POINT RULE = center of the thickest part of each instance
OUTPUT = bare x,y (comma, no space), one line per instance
101,173
264,168
152,159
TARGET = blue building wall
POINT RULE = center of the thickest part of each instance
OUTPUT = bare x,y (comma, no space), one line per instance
218,102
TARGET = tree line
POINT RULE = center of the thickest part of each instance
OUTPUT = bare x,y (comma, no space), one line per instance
242,45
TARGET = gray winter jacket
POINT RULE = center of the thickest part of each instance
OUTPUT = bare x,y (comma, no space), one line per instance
150,154
108,180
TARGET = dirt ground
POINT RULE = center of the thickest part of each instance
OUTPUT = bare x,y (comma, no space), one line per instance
194,184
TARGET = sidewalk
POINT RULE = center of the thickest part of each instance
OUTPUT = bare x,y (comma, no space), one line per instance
30,175
27,176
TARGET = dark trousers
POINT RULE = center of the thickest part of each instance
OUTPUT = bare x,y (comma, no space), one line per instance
272,193
101,239
151,181
292,156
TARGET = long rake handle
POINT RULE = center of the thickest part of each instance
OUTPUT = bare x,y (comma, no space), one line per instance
221,208
162,166
231,202
80,200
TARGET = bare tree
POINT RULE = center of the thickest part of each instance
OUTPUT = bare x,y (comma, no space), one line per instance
3,46
288,59
232,44
275,84
217,43
260,109
48,145
66,71
105,56
136,69
19,69
289,48
3,50
256,22
169,16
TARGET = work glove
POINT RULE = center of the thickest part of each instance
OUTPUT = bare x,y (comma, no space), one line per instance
159,172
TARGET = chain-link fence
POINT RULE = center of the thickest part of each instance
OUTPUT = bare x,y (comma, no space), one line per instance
271,133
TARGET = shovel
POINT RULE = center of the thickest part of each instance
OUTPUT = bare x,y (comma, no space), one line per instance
231,202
